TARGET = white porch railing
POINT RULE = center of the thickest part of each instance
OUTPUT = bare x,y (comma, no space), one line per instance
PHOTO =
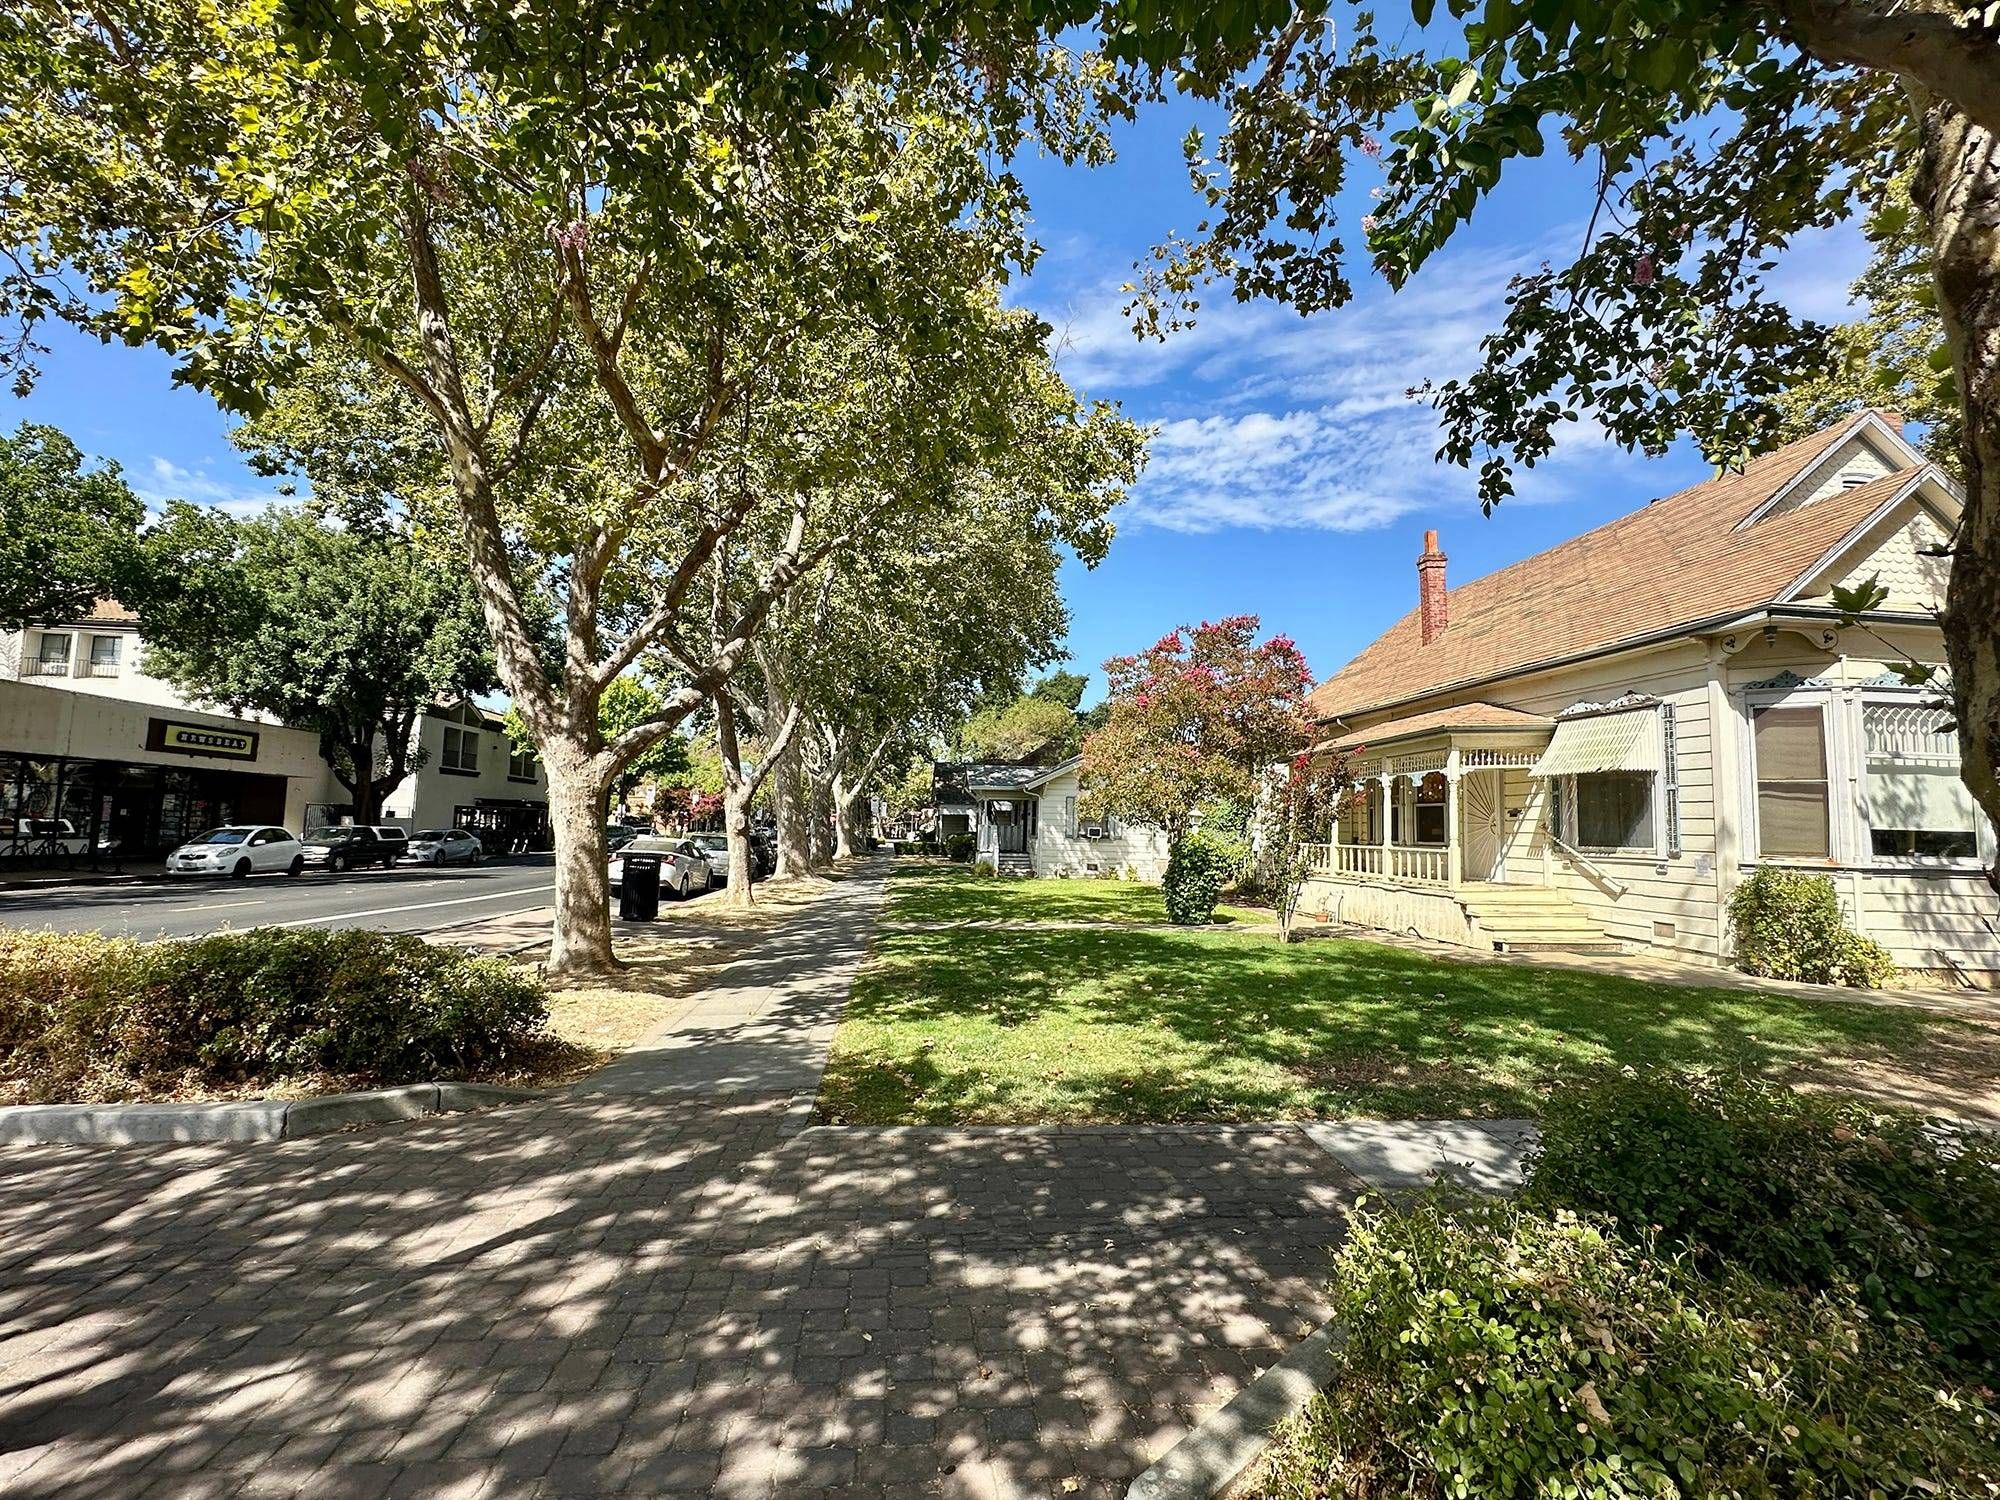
1398,864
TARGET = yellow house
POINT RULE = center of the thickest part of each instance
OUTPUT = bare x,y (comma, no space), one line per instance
1590,748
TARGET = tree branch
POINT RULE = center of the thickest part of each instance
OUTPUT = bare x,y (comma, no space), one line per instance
1931,49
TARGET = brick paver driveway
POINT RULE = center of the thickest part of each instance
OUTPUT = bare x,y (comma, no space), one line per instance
653,1292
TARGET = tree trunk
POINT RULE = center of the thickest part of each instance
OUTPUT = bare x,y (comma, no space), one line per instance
844,841
738,787
821,832
1959,188
580,946
789,805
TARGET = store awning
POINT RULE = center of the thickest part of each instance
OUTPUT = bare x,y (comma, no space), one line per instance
1603,742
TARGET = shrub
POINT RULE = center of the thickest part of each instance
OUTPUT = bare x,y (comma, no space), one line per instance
1787,925
1198,867
1495,1351
960,846
1801,1190
85,1013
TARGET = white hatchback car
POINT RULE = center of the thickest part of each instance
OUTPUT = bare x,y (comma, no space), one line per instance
241,850
684,868
443,846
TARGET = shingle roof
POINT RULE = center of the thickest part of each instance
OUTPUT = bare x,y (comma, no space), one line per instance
1436,721
1678,561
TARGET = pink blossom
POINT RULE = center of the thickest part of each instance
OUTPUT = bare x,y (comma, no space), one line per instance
1370,146
1643,271
1368,223
573,236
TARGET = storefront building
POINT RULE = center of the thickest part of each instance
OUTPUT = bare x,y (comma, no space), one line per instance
90,741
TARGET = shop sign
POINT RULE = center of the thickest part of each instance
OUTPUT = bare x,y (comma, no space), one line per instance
201,739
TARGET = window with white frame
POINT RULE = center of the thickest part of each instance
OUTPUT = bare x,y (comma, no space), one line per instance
461,752
105,651
1613,779
1915,801
1789,751
52,655
1427,803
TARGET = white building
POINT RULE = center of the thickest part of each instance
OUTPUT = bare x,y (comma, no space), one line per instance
1024,820
87,736
1590,748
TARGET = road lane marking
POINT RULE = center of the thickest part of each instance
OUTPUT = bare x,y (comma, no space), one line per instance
221,906
390,911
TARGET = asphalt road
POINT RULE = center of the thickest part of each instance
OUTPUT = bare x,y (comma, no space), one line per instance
405,899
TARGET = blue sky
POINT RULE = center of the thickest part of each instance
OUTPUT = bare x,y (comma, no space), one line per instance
1291,479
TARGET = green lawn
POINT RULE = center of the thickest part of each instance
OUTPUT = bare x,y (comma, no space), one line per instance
952,893
1018,1026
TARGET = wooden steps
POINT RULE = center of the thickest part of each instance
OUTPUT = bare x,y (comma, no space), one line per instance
1532,919
1015,864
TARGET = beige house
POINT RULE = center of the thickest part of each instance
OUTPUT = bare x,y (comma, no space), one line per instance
1589,749
1025,821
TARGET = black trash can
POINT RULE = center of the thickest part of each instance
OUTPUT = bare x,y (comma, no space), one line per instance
639,890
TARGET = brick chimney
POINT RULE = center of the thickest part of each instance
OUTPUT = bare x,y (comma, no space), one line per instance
1893,418
1430,589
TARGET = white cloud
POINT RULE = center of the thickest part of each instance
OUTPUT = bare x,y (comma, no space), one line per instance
1270,420
166,480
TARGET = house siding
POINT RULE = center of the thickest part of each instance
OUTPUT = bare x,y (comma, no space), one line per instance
1143,850
1945,922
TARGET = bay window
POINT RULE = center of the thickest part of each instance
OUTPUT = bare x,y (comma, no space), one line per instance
1917,804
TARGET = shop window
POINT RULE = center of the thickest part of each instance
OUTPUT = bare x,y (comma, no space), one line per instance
1788,744
1918,804
461,752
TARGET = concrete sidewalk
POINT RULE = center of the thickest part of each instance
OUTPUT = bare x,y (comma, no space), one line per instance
765,1022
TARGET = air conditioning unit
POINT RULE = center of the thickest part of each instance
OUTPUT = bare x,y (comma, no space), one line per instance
1092,831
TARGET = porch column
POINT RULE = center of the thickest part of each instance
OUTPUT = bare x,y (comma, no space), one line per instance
1388,815
1454,853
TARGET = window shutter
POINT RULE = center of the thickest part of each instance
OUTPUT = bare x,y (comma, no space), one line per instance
1069,814
1670,781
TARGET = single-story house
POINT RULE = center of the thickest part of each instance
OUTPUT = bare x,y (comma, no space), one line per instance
1025,822
1592,747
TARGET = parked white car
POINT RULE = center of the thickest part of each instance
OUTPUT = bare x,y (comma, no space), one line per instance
716,847
443,846
684,868
241,850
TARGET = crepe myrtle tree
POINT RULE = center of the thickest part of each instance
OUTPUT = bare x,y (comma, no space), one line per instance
1196,720
1719,132
577,253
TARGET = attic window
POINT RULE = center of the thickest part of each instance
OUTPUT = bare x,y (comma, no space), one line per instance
1853,481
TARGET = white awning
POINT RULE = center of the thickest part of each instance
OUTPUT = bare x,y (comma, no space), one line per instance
1603,742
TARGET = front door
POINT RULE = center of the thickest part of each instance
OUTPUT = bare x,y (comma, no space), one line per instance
1010,828
1479,819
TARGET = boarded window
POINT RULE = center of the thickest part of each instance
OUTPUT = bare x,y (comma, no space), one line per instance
1790,752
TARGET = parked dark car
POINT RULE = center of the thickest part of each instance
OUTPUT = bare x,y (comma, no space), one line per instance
349,848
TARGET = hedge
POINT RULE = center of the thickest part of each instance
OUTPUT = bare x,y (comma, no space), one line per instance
86,1016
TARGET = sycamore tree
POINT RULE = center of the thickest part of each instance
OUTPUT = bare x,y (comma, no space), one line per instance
345,633
66,528
1196,722
905,627
1718,134
578,254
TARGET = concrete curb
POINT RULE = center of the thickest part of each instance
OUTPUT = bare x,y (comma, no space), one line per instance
249,1120
1206,1462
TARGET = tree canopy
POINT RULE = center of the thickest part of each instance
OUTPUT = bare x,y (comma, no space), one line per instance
1198,717
348,634
67,528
